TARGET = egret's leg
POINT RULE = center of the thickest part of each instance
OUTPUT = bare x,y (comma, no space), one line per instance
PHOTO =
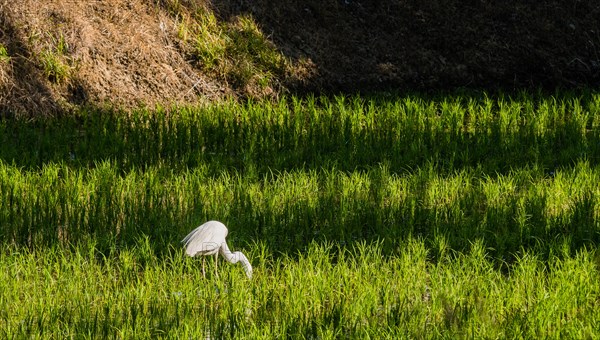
203,272
216,262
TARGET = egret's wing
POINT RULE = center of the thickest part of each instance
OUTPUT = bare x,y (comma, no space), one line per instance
206,239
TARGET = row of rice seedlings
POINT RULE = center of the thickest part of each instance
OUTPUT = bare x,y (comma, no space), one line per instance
351,132
326,292
527,207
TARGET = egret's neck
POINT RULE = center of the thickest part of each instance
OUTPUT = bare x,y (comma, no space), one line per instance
227,254
236,257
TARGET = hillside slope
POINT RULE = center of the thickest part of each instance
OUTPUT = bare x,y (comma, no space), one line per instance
74,52
59,54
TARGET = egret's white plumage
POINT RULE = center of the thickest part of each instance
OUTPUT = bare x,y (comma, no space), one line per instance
209,239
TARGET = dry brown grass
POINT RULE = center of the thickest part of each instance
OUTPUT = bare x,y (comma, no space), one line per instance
124,53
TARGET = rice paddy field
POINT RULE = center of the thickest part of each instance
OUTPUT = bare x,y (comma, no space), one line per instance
387,216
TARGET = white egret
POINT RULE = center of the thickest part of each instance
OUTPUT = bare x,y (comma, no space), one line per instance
209,239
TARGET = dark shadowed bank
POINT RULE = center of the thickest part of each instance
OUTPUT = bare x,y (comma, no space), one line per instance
435,44
132,53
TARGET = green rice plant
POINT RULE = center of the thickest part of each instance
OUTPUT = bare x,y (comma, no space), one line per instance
297,170
403,217
349,133
524,208
327,291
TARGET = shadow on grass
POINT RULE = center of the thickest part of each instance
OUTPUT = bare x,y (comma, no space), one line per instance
249,142
262,139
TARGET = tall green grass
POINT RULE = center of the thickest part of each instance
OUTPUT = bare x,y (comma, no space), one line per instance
327,292
528,207
459,216
349,133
